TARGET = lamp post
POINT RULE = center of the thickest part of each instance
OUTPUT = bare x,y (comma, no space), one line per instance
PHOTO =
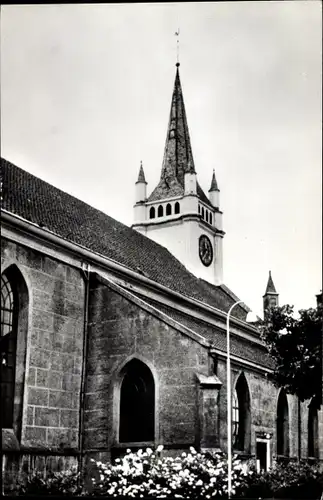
250,319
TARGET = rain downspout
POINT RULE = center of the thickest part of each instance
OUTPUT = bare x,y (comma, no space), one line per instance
86,276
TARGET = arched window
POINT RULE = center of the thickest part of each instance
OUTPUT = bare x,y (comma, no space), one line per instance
14,320
202,213
168,209
160,211
199,209
206,216
235,416
177,208
313,435
282,425
137,404
241,416
8,349
152,213
210,219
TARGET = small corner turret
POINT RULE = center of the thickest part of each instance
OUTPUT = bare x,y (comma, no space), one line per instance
270,298
141,186
214,192
140,196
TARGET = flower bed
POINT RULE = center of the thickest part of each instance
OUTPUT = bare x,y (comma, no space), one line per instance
148,474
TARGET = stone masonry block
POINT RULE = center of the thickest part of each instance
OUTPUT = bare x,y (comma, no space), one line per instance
54,268
37,396
70,382
62,438
75,293
8,249
28,257
43,320
30,415
55,380
42,377
69,418
47,417
63,399
62,362
31,379
37,435
40,358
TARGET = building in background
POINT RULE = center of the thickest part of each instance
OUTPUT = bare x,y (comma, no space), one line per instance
115,337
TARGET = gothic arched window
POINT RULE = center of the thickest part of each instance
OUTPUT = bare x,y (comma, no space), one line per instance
168,209
14,323
282,425
241,416
206,216
160,211
313,434
202,213
210,219
8,349
137,404
152,213
177,208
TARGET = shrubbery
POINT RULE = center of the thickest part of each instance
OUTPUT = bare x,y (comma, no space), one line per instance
55,483
147,474
190,476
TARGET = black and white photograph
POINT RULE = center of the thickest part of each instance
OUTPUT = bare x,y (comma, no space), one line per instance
161,250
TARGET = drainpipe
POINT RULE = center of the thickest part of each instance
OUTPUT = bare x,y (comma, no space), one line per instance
86,276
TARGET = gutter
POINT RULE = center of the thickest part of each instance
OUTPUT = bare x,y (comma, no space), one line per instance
97,258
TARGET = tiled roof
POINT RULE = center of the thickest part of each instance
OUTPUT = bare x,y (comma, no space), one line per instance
37,201
178,156
270,285
240,347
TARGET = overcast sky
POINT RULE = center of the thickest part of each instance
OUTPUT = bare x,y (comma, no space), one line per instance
86,92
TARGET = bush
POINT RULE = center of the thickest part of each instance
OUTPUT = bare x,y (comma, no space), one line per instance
297,480
147,474
54,483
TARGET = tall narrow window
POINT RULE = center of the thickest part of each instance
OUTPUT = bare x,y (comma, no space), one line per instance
210,219
206,216
168,209
14,327
202,213
241,416
137,404
235,416
9,309
282,425
313,435
177,208
152,213
160,211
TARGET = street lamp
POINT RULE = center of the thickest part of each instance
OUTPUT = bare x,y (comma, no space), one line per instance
251,318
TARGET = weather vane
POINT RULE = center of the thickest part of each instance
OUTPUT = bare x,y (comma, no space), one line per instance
177,34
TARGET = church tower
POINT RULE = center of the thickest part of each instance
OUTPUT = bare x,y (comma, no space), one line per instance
270,299
178,214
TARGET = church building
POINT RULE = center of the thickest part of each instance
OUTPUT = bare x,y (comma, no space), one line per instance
115,337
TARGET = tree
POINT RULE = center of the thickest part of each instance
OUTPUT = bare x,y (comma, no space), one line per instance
295,345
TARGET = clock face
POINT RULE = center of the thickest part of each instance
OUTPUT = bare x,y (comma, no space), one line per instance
205,250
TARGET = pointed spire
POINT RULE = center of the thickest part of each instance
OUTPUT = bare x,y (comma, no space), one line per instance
270,285
214,184
141,175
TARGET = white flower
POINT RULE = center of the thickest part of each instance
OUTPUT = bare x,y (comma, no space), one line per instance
160,448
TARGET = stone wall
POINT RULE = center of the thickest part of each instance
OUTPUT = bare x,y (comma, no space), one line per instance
119,330
54,347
